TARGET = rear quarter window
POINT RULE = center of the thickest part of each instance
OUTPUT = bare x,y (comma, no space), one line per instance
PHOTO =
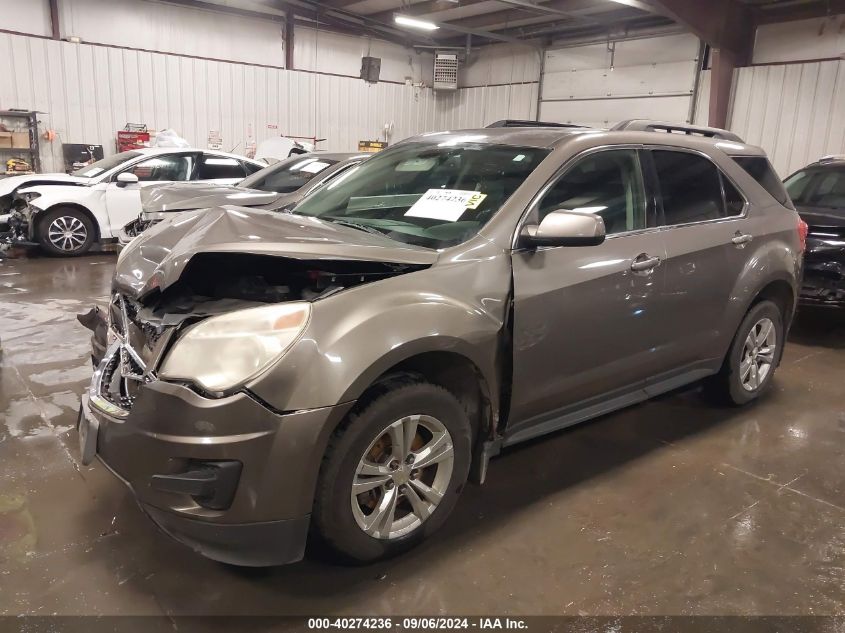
761,170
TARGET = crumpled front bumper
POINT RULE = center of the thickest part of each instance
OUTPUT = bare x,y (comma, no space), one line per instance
17,229
172,433
171,430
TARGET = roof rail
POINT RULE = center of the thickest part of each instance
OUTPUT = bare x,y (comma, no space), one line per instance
644,125
526,123
832,158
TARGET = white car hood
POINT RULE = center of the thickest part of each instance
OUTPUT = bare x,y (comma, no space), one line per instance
10,184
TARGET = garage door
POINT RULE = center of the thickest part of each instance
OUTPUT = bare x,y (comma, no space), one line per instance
650,78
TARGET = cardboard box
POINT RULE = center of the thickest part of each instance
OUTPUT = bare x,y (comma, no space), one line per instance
5,139
20,140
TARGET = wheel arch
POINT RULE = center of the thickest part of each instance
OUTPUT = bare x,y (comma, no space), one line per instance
455,372
38,218
781,293
780,290
445,361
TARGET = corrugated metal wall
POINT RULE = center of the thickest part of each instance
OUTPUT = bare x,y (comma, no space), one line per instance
87,92
796,112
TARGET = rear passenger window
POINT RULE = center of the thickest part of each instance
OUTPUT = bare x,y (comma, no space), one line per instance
214,167
690,186
761,170
251,168
608,184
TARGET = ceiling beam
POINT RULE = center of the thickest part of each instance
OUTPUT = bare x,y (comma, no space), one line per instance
584,10
448,26
423,8
562,31
806,11
338,4
339,17
551,9
723,24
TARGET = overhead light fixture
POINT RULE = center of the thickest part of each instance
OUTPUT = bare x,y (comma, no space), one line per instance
414,23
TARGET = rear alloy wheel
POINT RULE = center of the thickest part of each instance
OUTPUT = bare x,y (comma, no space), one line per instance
754,355
392,473
758,354
66,232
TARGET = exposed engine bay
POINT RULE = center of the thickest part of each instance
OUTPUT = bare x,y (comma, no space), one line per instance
214,283
217,283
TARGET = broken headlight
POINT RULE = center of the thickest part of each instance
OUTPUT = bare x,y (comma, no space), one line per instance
225,351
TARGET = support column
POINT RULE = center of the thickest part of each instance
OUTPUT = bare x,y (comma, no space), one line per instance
289,28
54,20
723,63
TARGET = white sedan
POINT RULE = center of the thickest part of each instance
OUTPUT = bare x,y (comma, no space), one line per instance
67,215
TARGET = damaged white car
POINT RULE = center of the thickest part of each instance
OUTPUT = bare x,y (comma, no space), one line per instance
69,215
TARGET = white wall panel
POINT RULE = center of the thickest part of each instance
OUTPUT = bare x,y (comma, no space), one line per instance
87,92
796,112
335,53
175,29
650,78
26,16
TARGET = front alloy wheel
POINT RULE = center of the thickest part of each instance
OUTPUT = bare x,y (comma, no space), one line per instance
67,233
393,471
402,477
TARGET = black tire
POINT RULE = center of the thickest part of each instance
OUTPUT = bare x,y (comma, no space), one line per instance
333,520
727,386
83,230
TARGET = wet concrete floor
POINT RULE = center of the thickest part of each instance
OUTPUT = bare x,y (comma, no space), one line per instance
671,507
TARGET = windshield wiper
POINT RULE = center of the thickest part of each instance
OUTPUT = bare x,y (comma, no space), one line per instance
355,225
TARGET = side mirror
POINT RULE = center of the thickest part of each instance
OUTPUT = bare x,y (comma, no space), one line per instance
564,228
126,178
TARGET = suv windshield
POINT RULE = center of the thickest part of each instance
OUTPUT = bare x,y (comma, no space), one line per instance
101,166
288,175
822,187
429,195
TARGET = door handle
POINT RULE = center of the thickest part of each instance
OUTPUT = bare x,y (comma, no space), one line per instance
644,263
741,239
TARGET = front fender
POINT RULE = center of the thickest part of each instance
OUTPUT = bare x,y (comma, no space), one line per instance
90,198
359,334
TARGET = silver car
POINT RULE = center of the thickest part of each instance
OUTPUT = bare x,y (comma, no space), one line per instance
342,370
276,187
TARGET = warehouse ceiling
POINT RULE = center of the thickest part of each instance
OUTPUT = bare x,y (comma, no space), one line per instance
533,22
559,20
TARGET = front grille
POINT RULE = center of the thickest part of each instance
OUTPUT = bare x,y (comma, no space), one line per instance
131,357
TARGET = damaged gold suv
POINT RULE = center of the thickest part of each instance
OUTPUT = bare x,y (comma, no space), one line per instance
342,370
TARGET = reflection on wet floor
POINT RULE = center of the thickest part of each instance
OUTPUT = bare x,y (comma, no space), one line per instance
671,507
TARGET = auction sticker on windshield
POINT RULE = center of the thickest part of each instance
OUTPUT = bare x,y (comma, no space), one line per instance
445,204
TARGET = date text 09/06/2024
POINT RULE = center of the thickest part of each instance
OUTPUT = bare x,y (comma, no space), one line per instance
417,623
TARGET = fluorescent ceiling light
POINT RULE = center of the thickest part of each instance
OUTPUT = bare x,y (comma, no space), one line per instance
414,23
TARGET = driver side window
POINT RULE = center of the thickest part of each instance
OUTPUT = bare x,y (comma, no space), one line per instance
169,167
607,183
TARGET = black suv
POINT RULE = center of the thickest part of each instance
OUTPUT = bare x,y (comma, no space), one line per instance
818,192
